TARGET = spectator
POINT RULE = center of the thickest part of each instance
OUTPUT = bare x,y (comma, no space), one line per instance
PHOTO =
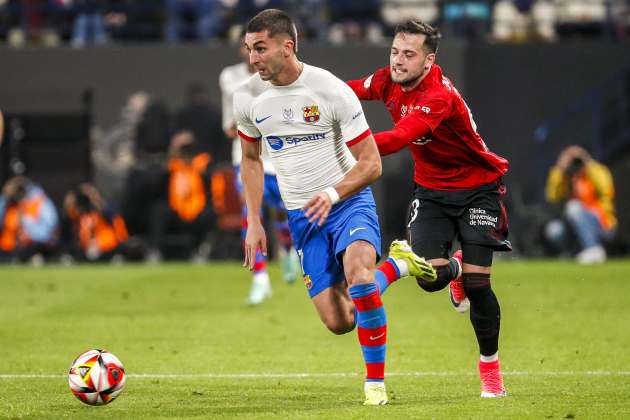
309,19
355,20
204,120
89,25
396,11
466,19
29,221
188,209
584,188
247,9
207,15
519,20
92,230
582,17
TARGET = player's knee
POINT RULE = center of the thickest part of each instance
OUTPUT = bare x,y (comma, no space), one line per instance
339,327
476,284
358,275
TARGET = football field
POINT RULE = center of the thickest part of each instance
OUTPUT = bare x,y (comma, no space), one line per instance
191,348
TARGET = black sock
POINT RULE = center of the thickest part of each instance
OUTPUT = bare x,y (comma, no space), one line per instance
445,273
485,313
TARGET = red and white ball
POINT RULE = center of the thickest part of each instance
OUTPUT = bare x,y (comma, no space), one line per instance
96,377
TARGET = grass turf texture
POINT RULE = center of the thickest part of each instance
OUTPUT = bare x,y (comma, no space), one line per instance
564,345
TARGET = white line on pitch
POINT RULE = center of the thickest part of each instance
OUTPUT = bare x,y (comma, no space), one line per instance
319,375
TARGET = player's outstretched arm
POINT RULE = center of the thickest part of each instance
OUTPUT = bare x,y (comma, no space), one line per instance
405,132
367,169
253,184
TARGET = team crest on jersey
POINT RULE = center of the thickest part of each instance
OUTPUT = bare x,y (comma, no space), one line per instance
311,114
288,116
307,282
403,110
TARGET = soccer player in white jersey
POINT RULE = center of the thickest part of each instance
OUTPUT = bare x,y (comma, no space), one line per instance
325,156
229,80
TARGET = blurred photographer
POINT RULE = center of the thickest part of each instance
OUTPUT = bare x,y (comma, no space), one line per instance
584,189
92,230
29,222
188,208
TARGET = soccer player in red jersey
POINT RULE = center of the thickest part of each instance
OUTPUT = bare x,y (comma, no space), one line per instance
457,188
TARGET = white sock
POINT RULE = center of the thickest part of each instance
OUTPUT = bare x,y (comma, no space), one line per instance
403,267
378,384
490,359
261,278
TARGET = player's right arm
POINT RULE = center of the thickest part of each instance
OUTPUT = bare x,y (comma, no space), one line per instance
253,177
405,132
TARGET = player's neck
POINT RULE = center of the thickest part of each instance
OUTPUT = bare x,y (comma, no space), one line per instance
291,72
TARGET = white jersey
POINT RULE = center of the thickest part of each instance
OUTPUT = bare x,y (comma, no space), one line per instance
307,128
230,79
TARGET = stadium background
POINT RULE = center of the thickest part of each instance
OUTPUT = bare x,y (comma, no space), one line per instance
511,90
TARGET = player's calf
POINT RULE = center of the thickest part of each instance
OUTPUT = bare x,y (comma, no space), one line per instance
444,274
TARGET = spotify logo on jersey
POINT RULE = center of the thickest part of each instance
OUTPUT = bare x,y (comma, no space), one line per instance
276,143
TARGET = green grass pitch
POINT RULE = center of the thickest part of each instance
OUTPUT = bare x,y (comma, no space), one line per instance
192,349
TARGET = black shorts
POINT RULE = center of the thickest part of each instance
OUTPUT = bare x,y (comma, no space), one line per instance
477,216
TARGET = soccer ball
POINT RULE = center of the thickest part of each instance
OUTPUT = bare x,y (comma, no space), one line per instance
96,377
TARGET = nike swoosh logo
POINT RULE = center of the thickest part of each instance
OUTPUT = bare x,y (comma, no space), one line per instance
259,121
376,338
354,230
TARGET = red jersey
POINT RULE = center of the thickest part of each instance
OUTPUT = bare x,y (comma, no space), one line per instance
451,155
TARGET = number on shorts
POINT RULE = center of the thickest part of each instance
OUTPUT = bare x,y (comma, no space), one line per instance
414,209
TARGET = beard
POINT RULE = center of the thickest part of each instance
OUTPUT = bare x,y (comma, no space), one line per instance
406,78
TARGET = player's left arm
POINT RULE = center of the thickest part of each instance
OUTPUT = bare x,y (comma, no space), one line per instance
364,172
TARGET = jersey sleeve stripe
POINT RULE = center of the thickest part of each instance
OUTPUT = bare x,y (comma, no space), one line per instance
359,138
252,139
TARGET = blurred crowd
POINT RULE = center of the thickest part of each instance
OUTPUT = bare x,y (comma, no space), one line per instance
97,22
158,192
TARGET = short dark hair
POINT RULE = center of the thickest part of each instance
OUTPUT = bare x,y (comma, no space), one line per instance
276,22
433,36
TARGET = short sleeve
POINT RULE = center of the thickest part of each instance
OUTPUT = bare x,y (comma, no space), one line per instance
349,114
370,88
244,124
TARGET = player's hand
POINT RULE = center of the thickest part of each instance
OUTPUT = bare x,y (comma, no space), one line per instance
255,238
318,207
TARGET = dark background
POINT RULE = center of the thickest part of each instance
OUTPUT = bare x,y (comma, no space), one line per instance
511,90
